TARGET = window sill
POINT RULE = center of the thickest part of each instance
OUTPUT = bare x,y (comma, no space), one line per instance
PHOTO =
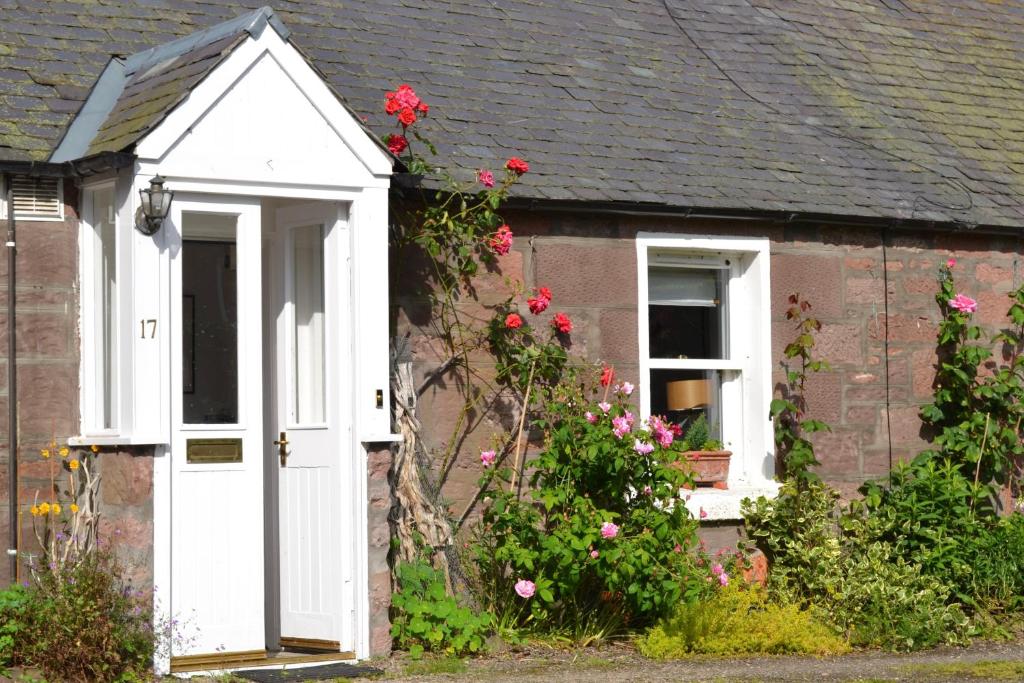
724,505
380,438
113,440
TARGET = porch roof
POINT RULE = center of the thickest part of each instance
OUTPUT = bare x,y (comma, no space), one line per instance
905,109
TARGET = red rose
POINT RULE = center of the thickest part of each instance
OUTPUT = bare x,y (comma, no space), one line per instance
513,321
537,304
562,323
397,143
407,117
607,375
501,242
423,108
391,106
545,293
517,166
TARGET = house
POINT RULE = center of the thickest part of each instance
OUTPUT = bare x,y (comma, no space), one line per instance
692,165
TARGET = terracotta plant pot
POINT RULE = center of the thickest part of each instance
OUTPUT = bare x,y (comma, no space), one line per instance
709,468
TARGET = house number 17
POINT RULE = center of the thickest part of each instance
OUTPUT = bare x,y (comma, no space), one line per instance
151,323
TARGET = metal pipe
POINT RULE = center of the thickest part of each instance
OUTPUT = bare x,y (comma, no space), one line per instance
12,382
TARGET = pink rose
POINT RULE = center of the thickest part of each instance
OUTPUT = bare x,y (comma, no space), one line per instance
951,263
677,549
604,406
964,304
723,579
594,554
642,448
717,569
630,419
487,458
591,418
525,588
620,427
485,177
648,490
703,512
501,242
626,388
609,530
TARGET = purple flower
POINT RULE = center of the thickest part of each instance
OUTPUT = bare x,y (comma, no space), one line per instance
609,530
648,490
525,588
717,569
723,579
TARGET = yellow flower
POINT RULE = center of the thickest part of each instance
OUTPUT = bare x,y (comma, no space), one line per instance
45,452
55,509
34,510
64,452
74,508
73,464
94,448
44,508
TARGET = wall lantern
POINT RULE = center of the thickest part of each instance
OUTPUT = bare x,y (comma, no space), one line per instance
156,203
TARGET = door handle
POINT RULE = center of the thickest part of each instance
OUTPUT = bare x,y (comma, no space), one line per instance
282,448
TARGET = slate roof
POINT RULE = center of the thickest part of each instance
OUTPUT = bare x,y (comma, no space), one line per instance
875,108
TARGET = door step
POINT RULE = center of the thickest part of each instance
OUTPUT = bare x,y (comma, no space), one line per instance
219,661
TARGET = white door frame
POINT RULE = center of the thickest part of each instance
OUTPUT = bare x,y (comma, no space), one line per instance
368,364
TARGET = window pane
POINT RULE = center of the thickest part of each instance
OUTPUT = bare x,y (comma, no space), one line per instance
209,284
684,395
308,333
105,301
686,313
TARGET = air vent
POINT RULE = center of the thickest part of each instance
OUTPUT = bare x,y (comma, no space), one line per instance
36,197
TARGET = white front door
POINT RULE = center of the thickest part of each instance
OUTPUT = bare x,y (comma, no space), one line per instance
311,339
217,447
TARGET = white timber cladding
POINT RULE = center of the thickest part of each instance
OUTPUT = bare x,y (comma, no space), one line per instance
745,365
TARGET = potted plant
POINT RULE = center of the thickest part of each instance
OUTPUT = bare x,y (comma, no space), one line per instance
705,457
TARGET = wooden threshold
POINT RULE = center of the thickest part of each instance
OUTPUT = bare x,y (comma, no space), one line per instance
252,658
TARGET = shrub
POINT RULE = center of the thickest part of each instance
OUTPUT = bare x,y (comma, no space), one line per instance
740,620
84,623
601,528
427,618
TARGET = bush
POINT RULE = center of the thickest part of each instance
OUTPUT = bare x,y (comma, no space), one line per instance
427,618
601,529
861,584
84,623
740,620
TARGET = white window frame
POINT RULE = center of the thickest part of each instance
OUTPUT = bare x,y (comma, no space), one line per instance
90,318
745,366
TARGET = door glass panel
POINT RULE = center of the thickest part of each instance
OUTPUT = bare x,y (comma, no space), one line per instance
209,288
308,345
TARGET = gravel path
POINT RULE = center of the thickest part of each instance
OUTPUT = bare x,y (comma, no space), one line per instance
622,663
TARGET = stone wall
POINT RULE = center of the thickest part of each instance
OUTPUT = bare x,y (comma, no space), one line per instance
882,363
378,494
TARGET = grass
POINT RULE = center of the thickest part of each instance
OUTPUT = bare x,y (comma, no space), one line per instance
441,665
984,670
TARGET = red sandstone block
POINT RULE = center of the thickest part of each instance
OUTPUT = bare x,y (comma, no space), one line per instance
995,275
863,263
838,452
618,332
817,278
603,274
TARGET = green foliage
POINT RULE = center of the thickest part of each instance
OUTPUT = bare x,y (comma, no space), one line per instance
13,601
85,623
795,453
865,587
740,620
590,475
882,600
977,417
698,436
426,618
